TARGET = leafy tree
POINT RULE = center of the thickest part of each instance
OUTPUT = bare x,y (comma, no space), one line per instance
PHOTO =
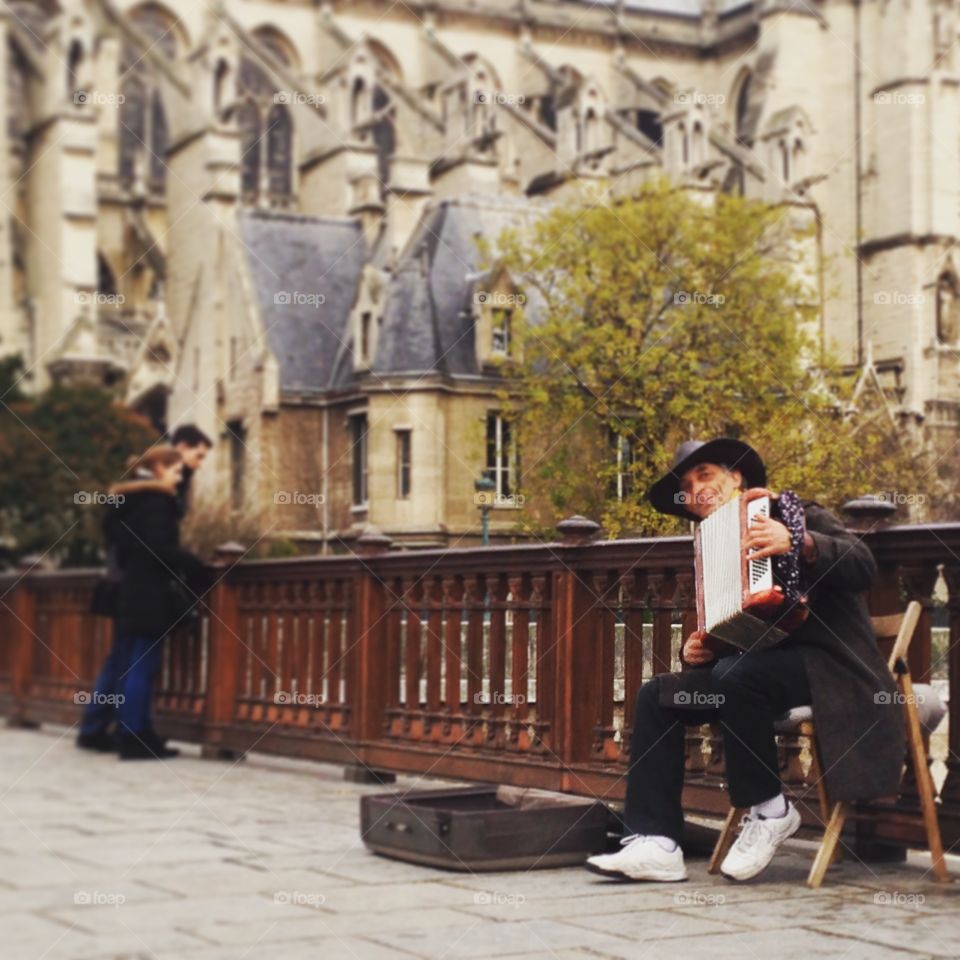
665,317
59,454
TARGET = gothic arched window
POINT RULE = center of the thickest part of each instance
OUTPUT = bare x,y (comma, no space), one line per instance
74,63
280,151
698,147
266,136
220,78
133,125
144,136
248,123
17,93
948,310
358,103
742,117
384,135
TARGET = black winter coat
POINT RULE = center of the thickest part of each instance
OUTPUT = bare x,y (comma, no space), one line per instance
157,573
859,723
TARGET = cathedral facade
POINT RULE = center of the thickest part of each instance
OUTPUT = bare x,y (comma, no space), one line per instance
262,216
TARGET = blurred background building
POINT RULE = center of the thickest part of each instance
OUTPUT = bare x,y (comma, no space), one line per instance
263,217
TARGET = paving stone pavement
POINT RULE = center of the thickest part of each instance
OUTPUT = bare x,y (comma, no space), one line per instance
215,860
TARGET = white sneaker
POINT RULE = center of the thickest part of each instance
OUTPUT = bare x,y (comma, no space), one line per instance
640,859
757,843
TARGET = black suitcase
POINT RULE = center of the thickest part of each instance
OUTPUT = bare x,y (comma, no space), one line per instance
484,828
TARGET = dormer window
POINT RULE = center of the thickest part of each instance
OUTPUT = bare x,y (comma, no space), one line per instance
500,339
365,322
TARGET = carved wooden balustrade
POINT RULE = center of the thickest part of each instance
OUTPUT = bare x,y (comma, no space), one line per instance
514,664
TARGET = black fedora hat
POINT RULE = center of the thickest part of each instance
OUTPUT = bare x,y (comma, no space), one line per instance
730,453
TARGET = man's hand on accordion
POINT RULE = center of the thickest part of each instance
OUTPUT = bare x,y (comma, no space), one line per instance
695,651
766,538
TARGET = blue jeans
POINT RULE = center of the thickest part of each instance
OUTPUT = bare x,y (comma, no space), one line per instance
124,688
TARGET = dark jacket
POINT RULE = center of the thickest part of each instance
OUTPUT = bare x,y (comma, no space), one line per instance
156,573
183,490
859,724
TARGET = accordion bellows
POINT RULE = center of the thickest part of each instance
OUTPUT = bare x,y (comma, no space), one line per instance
737,599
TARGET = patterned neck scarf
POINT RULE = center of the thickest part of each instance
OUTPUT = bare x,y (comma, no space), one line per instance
786,566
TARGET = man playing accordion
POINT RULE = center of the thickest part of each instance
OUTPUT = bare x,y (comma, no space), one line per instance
829,659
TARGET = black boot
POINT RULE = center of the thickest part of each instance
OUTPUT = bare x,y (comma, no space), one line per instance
99,742
145,746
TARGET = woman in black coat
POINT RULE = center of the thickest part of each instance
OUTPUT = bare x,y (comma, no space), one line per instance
159,584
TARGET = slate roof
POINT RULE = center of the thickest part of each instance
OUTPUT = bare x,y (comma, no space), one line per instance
291,258
428,324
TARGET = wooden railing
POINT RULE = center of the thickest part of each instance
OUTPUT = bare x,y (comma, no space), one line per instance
508,664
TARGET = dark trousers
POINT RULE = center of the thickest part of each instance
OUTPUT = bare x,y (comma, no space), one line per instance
748,692
124,688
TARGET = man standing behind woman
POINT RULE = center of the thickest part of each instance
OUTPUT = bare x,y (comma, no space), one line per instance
158,585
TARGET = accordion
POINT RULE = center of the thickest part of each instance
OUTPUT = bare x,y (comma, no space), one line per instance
741,601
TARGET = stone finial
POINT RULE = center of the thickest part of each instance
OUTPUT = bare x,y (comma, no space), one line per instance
229,553
869,511
577,529
30,561
371,540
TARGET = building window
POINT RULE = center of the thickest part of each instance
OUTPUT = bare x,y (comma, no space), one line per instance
74,64
784,161
144,135
365,319
742,118
266,137
622,448
948,310
237,436
500,342
648,123
248,122
358,446
403,463
501,454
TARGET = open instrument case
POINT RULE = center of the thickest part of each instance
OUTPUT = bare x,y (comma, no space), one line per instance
485,827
